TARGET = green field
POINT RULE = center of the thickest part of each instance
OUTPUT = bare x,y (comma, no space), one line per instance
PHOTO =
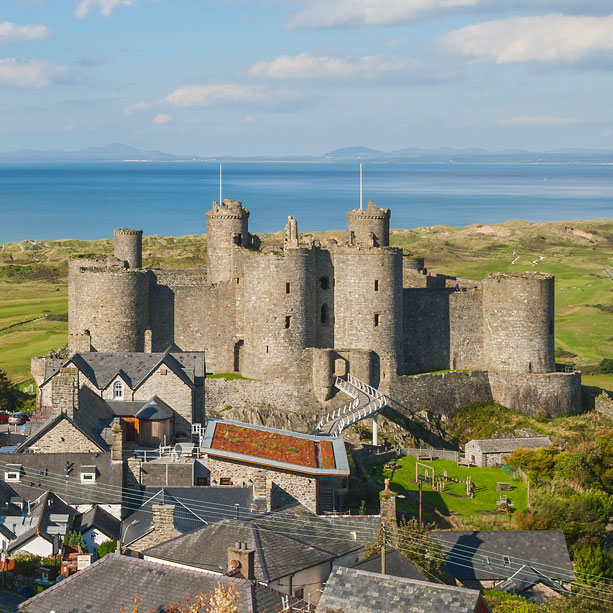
33,279
453,500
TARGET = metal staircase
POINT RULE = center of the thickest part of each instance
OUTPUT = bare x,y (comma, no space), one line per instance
366,402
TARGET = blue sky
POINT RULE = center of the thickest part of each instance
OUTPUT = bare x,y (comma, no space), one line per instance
305,76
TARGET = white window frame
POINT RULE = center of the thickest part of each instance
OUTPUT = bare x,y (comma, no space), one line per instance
12,476
88,475
118,390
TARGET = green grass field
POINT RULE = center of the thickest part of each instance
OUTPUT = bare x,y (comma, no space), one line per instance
453,499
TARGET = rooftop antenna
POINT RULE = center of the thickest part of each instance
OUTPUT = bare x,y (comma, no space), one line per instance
360,186
220,200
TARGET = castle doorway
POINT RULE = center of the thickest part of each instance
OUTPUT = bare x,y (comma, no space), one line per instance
238,355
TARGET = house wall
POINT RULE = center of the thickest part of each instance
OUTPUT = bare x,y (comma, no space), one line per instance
64,438
285,487
39,547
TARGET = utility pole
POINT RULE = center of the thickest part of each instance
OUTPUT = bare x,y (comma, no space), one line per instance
383,545
420,489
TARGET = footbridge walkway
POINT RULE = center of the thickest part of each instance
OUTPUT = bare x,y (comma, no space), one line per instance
366,401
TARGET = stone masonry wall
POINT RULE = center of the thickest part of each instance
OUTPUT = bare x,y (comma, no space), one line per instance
171,474
65,438
287,486
163,528
555,393
440,393
466,329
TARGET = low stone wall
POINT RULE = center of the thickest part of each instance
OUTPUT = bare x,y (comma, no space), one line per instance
604,404
440,393
555,393
240,394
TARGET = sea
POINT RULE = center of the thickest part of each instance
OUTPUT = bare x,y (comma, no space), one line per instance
89,200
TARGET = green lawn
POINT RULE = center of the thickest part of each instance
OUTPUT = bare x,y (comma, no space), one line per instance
453,499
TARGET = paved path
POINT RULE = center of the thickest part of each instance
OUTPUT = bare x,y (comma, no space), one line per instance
9,601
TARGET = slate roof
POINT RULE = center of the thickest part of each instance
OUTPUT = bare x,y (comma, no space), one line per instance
508,445
282,548
194,507
480,555
395,564
112,582
209,447
99,519
101,368
358,591
41,511
365,528
44,471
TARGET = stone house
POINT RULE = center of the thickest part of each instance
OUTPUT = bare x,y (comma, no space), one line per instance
350,589
156,397
491,451
283,467
111,583
97,526
492,558
291,551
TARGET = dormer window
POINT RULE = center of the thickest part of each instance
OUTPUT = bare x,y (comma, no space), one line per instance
88,474
118,390
506,560
12,474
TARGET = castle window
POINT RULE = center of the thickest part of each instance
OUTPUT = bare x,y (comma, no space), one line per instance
376,319
239,239
118,390
376,285
266,348
324,282
288,321
237,280
324,314
288,288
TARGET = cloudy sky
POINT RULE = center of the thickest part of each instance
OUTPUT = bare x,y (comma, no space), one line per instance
306,76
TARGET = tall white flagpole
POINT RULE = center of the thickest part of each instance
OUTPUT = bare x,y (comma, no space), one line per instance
360,186
220,200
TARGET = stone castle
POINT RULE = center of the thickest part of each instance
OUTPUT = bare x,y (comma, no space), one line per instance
297,315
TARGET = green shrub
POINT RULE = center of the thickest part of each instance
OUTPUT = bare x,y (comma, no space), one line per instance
75,539
106,547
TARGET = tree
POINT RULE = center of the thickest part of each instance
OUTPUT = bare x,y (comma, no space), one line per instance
75,539
6,392
416,543
106,547
592,563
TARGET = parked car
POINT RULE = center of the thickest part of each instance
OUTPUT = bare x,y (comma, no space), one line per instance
4,418
18,418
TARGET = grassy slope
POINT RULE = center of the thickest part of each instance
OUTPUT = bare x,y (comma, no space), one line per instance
485,480
33,278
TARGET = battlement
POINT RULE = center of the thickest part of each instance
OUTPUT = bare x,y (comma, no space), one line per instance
370,212
369,226
228,209
127,232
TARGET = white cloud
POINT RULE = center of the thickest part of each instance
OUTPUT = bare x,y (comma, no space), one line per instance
540,120
30,74
553,38
305,66
135,108
335,13
218,93
12,33
161,118
106,7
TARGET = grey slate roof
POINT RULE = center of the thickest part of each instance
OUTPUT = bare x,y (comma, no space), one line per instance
101,368
395,564
194,507
524,579
44,471
282,544
480,555
364,527
112,582
98,519
508,445
47,505
359,591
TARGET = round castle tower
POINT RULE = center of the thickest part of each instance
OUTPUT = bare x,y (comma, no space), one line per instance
518,328
368,301
369,227
128,246
227,226
277,296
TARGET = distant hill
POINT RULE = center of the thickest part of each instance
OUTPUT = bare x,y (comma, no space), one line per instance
117,152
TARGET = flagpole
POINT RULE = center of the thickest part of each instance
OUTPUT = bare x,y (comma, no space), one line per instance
220,200
360,186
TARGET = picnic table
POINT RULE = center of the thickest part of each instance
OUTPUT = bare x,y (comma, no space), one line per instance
503,486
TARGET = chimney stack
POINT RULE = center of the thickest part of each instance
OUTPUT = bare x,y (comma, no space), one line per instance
116,443
65,391
241,561
148,341
387,503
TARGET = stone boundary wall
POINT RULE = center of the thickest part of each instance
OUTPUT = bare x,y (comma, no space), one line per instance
439,393
604,404
555,393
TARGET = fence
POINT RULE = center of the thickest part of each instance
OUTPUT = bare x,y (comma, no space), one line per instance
445,454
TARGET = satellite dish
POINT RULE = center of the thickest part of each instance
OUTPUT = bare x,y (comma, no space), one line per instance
222,565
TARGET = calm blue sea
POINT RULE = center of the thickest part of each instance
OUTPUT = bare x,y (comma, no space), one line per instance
88,200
